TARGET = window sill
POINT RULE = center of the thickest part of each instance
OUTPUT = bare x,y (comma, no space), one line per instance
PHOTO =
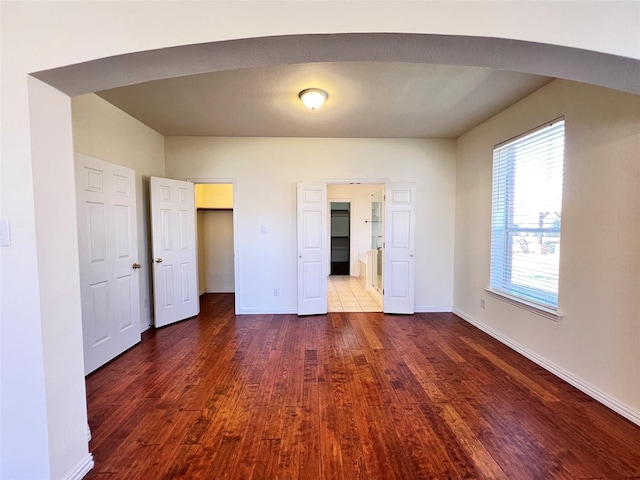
541,310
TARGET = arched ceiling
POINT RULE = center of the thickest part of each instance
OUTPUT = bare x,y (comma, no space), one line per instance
379,84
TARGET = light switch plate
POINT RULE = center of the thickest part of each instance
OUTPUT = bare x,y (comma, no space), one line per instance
5,233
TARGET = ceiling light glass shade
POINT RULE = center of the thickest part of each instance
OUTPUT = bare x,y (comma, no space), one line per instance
313,98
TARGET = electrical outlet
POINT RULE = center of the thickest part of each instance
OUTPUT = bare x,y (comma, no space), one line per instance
482,304
276,292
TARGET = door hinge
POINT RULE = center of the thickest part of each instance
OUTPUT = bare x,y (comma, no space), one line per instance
383,291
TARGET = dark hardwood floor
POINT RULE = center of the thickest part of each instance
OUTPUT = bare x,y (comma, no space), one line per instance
346,395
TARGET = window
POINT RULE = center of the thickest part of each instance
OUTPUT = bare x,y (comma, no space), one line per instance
527,214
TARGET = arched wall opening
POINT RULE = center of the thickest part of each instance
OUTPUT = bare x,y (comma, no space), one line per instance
568,63
52,158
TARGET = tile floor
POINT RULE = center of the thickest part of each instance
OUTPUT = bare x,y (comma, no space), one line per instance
347,294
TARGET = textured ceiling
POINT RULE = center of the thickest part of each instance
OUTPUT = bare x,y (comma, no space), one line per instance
366,99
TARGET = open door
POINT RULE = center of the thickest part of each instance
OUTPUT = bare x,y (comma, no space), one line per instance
108,252
399,248
175,267
312,248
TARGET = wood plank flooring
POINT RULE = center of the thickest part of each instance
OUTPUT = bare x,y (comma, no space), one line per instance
343,396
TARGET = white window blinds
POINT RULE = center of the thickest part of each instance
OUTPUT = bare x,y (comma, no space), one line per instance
527,214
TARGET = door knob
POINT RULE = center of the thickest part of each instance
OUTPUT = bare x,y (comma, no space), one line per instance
158,260
136,266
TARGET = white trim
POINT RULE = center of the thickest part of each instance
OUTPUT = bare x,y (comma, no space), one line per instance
432,309
532,307
211,180
354,181
266,311
88,433
617,406
376,294
82,469
236,236
352,229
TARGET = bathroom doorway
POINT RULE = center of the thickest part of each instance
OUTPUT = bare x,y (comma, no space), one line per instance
377,235
350,285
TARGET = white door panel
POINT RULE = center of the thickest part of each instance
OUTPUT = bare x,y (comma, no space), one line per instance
312,248
175,272
399,250
105,195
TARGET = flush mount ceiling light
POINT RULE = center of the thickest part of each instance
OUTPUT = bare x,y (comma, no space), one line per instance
313,98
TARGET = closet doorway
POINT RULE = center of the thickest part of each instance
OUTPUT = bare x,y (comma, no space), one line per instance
217,242
340,244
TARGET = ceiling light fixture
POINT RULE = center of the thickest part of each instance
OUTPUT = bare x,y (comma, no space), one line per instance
313,98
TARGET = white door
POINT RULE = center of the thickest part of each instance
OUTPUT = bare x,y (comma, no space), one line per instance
109,268
312,248
399,248
173,238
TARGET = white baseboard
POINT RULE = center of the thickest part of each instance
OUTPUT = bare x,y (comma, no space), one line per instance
431,309
267,311
294,311
82,469
595,393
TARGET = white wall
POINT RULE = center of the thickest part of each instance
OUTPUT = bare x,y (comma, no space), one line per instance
201,264
360,198
215,250
59,303
267,170
106,132
41,35
596,345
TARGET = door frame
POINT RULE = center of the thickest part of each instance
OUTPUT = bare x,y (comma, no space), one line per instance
236,249
351,181
329,202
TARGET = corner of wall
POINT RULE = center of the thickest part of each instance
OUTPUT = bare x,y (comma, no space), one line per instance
601,396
